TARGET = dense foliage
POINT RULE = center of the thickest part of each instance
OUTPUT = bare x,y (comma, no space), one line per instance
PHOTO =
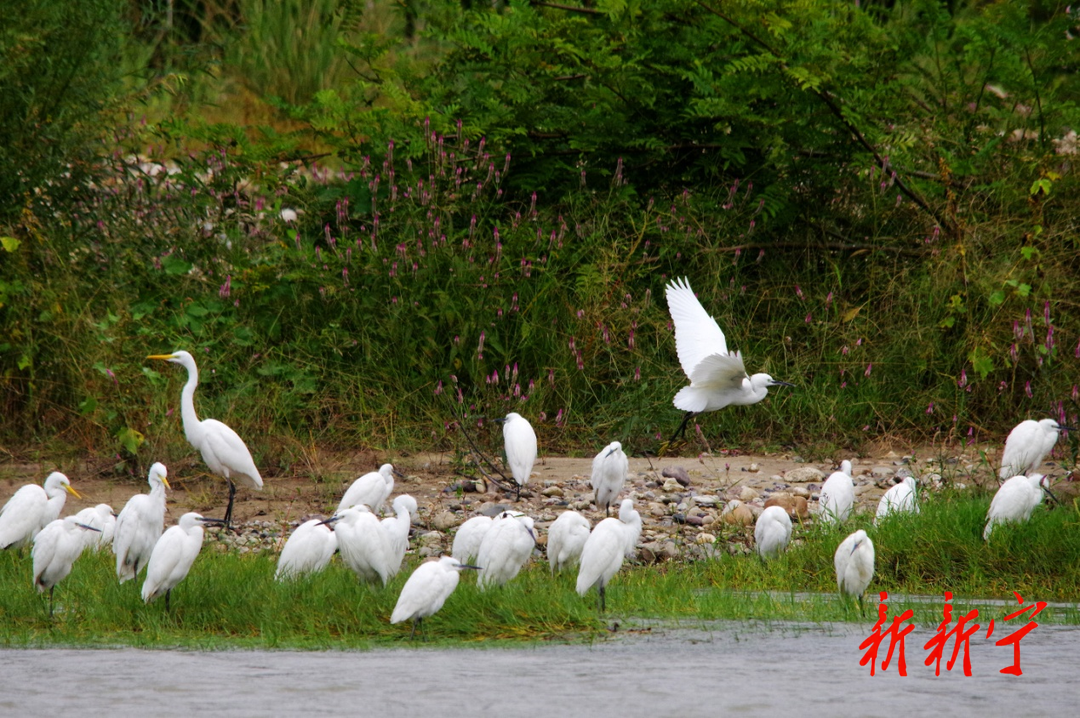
877,203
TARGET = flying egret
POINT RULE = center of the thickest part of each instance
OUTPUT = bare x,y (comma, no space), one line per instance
371,489
223,451
173,555
772,532
1015,500
506,547
427,590
54,551
468,538
854,562
519,440
609,469
898,499
717,377
566,538
605,549
837,495
31,508
102,518
396,528
362,543
139,525
309,550
1027,445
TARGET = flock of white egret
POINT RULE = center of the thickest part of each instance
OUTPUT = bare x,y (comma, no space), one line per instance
374,549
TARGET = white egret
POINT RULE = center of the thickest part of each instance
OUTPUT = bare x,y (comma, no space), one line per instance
899,498
139,525
1027,445
609,469
371,489
468,538
31,508
54,552
519,440
604,551
854,562
396,528
362,543
506,547
566,538
1015,500
102,518
222,449
173,555
837,495
427,590
309,550
632,519
717,377
772,532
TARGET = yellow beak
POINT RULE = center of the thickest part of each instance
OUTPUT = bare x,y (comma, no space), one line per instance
161,356
72,491
166,482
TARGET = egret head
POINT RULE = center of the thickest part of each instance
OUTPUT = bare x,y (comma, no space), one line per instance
453,563
158,472
178,357
56,481
764,381
613,447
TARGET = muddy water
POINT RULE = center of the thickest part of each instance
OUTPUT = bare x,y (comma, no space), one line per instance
720,669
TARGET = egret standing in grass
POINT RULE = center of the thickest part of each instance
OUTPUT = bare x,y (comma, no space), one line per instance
609,475
506,547
772,532
1015,500
837,495
371,490
222,449
1027,445
308,550
54,552
854,563
31,508
173,556
396,528
139,525
604,551
717,377
102,518
468,538
898,499
362,543
427,590
566,539
519,440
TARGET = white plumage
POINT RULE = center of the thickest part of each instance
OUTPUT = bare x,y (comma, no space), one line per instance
308,550
837,495
519,440
854,563
468,538
1027,445
772,532
609,469
566,539
362,544
1014,501
139,525
427,590
102,518
54,552
173,556
604,551
505,548
396,528
632,521
899,498
371,490
31,508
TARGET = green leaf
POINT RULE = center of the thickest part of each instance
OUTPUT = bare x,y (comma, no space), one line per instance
130,439
87,405
1043,184
9,243
981,362
997,298
175,266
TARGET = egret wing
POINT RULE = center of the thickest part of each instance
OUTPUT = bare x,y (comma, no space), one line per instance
719,371
697,335
223,444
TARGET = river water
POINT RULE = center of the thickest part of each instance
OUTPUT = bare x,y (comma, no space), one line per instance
721,669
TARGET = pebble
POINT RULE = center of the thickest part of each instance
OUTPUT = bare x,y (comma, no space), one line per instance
804,475
748,493
552,491
445,520
678,473
705,538
672,486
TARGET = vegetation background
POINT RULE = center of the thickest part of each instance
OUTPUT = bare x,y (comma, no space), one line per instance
367,219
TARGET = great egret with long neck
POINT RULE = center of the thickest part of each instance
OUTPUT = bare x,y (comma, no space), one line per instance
31,508
224,452
139,525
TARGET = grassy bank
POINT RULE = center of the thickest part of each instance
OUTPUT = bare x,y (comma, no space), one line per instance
232,601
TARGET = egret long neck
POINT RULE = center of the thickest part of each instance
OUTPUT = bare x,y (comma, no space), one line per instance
192,427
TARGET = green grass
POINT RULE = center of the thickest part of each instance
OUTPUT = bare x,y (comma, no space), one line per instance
232,601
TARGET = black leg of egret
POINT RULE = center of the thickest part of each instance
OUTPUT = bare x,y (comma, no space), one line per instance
167,594
682,427
228,511
51,602
603,603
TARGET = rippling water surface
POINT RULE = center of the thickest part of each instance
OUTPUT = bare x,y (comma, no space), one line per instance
715,669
